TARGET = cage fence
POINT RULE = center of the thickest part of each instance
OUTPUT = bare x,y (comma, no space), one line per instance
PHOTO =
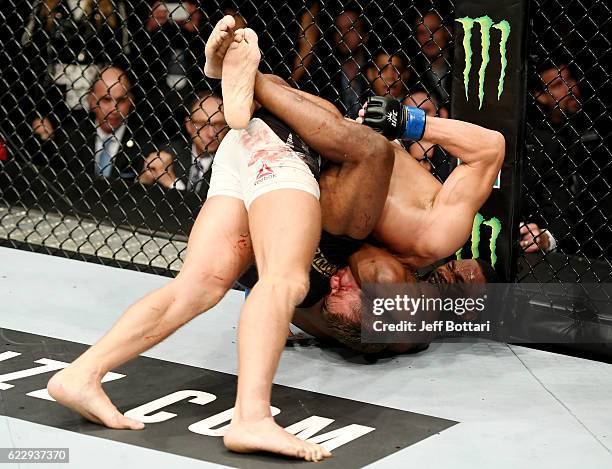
108,126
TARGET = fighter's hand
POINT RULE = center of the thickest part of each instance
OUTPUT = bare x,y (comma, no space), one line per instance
361,113
392,119
533,238
384,115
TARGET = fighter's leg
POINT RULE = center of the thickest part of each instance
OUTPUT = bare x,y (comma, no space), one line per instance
219,249
354,189
336,138
285,228
238,78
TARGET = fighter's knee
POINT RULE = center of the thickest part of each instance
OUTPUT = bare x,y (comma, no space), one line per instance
293,286
193,298
298,288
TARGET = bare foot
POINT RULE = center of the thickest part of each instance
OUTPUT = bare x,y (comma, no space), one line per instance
83,393
266,435
239,69
216,46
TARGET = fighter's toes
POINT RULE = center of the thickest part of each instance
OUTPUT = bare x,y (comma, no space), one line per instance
216,46
250,36
239,35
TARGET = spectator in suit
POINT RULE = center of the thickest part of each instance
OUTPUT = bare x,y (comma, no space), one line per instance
388,75
350,36
186,164
66,42
552,171
111,145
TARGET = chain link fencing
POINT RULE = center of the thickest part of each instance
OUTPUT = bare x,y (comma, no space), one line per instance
567,171
108,126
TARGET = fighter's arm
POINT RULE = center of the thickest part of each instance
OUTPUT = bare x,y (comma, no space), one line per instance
447,225
323,103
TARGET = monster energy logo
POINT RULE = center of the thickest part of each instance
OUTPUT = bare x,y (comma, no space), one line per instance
486,24
495,226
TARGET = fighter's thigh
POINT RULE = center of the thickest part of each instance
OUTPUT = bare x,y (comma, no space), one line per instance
352,198
285,226
219,247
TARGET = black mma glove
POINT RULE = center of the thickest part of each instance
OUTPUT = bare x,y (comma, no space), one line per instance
394,120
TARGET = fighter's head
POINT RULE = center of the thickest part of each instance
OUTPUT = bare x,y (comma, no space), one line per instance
463,271
342,312
345,296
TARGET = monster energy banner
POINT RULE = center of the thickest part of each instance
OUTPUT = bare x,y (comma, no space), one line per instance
489,90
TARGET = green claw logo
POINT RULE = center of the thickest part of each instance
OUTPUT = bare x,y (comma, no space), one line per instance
486,23
495,226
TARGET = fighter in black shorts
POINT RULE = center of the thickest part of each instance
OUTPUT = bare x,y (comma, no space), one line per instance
343,259
418,220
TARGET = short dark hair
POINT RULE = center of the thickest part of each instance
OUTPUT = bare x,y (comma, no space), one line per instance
347,331
551,63
122,76
200,97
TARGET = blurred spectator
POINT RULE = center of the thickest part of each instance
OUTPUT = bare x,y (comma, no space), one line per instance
433,37
66,42
557,92
430,156
168,62
350,36
339,62
112,144
545,201
581,137
388,75
308,36
186,164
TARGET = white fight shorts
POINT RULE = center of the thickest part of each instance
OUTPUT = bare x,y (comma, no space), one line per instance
254,161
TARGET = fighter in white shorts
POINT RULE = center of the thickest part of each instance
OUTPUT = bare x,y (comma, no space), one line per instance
263,157
280,232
